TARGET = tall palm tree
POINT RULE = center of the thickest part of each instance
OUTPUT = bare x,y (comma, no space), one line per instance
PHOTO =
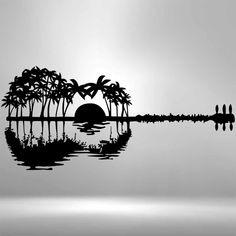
48,87
108,96
78,89
68,94
101,85
59,92
127,103
117,96
93,88
30,81
69,91
45,90
10,99
52,95
8,102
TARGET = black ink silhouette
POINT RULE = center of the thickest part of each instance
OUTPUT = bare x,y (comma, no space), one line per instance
107,149
218,118
223,118
37,153
41,155
49,88
90,128
112,94
89,112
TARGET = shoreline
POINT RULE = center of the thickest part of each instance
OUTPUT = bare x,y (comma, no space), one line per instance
217,118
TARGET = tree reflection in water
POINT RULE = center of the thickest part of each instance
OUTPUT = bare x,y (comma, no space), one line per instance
37,153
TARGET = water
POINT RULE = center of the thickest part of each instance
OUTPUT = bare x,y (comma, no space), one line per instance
169,179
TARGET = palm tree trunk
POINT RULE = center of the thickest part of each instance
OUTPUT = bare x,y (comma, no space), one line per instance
9,110
63,107
32,108
123,110
57,108
107,105
110,110
42,110
17,109
29,109
67,106
49,107
43,107
127,110
21,111
116,110
42,101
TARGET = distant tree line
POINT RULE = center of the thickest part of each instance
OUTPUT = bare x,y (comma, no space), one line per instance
50,88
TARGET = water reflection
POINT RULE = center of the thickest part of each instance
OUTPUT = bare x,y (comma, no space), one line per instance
107,149
90,128
43,151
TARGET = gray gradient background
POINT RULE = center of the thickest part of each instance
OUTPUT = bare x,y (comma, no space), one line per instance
172,56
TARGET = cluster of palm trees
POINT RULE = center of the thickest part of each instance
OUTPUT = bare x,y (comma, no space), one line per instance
48,87
112,93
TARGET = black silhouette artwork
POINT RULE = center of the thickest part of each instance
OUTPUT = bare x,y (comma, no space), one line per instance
41,98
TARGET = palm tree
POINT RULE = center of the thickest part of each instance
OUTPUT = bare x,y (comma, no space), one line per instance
108,96
58,92
48,87
78,89
52,95
115,100
31,82
117,95
44,88
93,88
127,103
8,102
68,93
